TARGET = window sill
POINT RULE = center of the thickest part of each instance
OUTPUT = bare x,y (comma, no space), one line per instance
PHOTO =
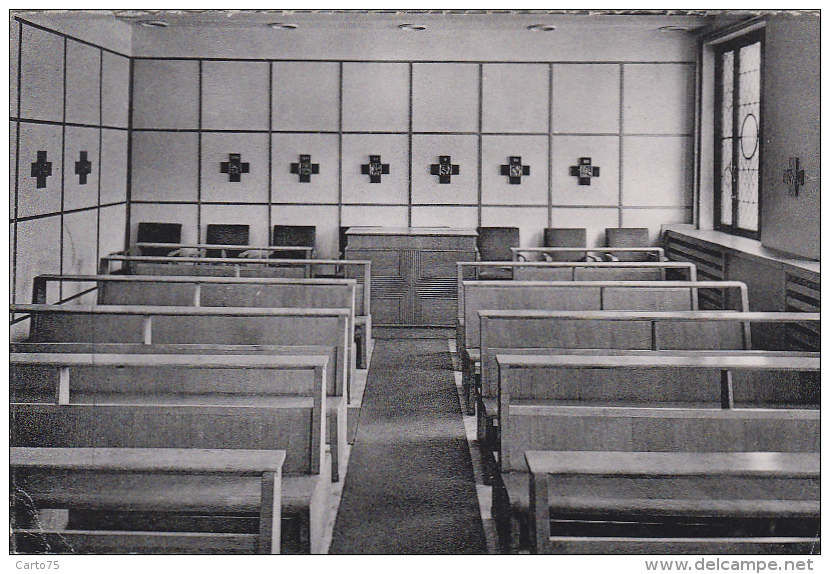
742,246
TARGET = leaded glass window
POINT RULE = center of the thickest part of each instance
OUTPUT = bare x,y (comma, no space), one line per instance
739,77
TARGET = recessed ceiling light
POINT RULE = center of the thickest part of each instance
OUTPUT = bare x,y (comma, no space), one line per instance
154,23
282,26
673,28
541,27
412,26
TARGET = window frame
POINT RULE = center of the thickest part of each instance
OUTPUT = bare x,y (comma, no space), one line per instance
734,45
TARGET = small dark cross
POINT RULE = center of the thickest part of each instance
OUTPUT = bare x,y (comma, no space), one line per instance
444,169
515,170
41,169
305,168
374,169
794,177
584,171
83,168
234,167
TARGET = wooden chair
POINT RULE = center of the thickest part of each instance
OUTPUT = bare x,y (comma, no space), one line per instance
627,237
226,234
294,236
150,232
493,244
565,237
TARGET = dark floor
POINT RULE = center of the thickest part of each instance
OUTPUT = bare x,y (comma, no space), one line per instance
409,487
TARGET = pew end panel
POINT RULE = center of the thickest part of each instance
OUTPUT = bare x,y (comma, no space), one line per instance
114,479
742,505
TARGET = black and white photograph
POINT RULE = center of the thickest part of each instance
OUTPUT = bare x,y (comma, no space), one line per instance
415,281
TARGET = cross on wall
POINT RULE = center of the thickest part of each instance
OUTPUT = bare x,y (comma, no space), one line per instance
793,176
444,169
41,169
514,170
83,167
305,169
374,169
234,167
584,171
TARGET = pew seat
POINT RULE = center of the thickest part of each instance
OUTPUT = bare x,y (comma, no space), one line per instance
211,481
678,502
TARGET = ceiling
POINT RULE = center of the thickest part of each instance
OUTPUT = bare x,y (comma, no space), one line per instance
504,20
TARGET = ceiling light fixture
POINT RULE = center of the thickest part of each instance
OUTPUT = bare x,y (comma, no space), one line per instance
409,26
282,26
154,23
673,28
541,27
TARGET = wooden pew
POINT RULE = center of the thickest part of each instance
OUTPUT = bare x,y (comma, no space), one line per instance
150,325
359,270
589,253
571,296
640,401
744,490
213,292
259,473
536,331
188,401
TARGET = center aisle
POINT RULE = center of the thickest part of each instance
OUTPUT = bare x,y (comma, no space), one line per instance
409,487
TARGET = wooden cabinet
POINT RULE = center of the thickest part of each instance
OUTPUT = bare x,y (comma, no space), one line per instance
414,272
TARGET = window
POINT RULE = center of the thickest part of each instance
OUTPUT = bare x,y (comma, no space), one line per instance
738,81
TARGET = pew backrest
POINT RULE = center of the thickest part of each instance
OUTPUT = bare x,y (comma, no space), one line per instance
619,330
653,402
118,418
588,295
147,325
359,270
577,271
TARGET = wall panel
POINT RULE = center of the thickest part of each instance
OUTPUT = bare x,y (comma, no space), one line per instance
393,150
658,99
115,90
32,200
496,188
39,252
77,194
252,187
165,166
604,152
375,97
166,94
235,95
445,97
586,98
113,171
463,152
675,155
42,80
306,96
83,83
515,98
322,187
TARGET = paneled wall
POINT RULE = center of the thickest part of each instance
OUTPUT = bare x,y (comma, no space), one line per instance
633,119
69,105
